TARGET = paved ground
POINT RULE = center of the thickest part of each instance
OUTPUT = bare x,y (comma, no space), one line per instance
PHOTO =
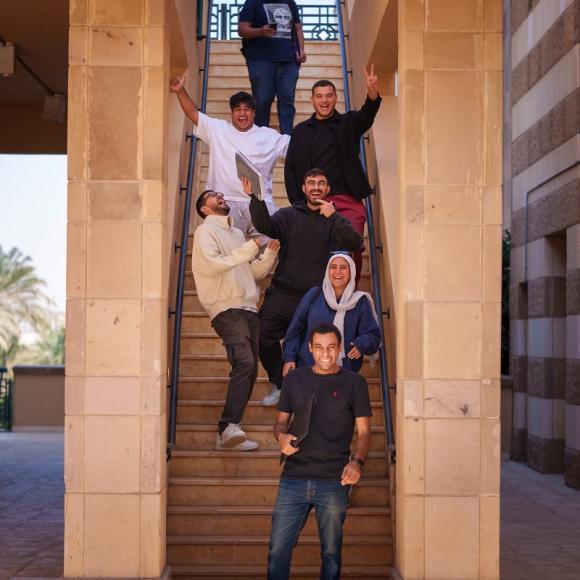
540,515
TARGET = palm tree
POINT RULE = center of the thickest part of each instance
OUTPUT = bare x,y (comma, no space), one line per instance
22,299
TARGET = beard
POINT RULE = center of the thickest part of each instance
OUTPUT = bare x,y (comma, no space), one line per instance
223,210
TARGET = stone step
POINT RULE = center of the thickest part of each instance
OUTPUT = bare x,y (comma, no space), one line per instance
203,436
312,59
364,284
257,520
258,463
314,73
212,388
259,572
241,82
195,550
258,491
310,47
197,412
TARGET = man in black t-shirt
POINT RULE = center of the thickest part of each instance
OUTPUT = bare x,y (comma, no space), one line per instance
273,44
319,471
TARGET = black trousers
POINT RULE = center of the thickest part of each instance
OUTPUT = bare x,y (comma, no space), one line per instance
240,331
275,317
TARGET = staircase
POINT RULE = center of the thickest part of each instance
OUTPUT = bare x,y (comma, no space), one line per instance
220,502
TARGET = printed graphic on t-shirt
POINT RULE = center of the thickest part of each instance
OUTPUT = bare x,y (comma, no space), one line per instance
281,16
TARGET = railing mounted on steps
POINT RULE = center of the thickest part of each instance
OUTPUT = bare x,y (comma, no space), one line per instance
374,248
182,247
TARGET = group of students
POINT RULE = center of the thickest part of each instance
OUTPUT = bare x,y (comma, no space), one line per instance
314,326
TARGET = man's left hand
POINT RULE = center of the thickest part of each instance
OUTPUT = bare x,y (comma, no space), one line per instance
301,57
350,474
372,83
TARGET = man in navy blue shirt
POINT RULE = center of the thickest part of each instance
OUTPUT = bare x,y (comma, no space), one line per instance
270,31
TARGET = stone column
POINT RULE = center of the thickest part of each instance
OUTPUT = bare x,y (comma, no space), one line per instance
546,352
449,290
115,431
572,451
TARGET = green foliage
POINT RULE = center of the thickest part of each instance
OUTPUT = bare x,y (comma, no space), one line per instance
505,304
22,302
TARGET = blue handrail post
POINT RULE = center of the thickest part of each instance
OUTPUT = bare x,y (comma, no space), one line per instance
376,283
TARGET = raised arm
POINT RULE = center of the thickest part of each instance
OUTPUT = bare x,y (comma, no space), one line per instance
176,85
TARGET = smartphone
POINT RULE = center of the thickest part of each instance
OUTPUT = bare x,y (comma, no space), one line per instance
273,25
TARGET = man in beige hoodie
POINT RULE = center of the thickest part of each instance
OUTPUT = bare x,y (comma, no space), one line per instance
225,268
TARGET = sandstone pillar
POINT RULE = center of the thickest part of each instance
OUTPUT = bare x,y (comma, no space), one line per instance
449,289
116,290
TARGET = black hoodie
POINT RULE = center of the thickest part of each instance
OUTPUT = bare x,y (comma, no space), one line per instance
306,240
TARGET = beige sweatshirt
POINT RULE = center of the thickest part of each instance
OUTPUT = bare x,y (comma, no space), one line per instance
225,267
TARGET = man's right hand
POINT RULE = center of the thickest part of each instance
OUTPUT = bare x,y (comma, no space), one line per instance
288,367
285,440
327,208
176,84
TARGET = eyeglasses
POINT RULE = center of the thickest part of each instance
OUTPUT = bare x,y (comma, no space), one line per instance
320,183
210,193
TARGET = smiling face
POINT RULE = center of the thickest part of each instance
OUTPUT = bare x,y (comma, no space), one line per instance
215,204
325,349
324,101
339,274
243,117
315,188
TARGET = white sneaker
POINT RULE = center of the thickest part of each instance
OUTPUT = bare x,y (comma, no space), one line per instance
272,397
232,435
246,445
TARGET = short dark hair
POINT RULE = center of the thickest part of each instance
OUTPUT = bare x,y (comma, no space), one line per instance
323,83
324,328
200,202
313,172
242,98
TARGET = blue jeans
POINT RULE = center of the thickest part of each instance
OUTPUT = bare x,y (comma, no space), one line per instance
269,80
296,497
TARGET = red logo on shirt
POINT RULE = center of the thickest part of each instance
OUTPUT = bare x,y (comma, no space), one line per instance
334,394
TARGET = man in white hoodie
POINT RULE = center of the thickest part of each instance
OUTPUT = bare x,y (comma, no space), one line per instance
225,268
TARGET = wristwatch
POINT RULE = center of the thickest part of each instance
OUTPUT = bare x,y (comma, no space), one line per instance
360,462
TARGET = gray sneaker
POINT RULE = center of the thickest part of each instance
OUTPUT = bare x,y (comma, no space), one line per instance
272,397
246,445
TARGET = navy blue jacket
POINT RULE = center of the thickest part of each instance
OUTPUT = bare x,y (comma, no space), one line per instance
360,330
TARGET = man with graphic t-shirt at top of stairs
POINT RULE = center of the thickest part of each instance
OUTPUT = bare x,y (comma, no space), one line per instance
261,145
273,45
308,232
330,140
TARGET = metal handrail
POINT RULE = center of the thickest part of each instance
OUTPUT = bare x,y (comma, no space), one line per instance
177,312
373,248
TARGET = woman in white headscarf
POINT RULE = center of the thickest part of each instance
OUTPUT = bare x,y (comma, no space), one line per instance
337,302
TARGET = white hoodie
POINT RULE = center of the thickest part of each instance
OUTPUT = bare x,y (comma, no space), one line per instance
225,268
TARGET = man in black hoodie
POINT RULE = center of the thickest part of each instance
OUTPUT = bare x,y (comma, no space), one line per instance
308,231
330,140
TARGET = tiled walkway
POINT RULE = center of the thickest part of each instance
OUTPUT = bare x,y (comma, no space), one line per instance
31,505
540,515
